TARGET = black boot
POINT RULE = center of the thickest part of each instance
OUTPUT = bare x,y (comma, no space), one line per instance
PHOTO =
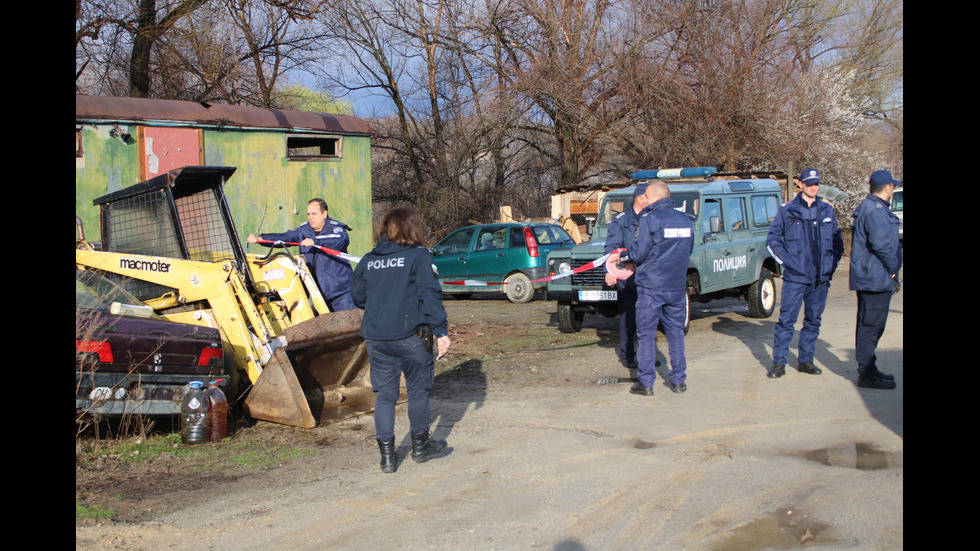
389,461
425,448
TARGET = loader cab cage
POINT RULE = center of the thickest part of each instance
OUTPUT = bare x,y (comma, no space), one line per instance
180,214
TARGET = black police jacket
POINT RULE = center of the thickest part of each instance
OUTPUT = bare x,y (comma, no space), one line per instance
397,287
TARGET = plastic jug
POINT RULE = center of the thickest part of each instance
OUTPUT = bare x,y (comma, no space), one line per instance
194,415
217,411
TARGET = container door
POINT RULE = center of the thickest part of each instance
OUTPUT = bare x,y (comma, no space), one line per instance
163,149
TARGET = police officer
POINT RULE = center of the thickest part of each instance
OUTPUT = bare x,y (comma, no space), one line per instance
622,230
805,240
661,250
331,272
397,287
876,257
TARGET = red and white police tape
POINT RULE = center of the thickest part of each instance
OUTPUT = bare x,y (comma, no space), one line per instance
345,256
583,268
620,271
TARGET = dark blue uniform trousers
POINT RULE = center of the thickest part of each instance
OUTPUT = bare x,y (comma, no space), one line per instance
872,313
627,324
670,309
389,359
813,298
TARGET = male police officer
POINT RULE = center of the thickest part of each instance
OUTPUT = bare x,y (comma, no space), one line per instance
875,260
331,273
661,250
805,240
622,230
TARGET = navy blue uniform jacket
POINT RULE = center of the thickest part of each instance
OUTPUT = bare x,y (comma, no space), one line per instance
662,247
802,238
332,273
397,287
875,253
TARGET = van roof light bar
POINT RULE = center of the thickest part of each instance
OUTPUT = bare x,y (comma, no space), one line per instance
671,173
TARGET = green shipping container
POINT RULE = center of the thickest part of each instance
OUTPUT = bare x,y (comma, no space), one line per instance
284,159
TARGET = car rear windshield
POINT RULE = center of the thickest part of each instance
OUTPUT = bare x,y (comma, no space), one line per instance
547,235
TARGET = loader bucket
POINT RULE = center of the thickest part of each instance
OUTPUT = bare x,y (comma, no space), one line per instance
320,375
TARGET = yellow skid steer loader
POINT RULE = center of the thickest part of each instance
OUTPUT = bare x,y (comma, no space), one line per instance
172,243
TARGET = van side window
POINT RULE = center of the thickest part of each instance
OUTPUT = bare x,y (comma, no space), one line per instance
764,209
736,214
712,207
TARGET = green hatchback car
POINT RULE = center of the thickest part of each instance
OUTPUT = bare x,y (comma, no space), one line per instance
495,258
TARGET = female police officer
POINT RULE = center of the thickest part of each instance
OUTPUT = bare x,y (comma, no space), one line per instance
396,286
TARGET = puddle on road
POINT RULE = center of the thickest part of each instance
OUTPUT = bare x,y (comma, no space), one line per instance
641,444
858,455
785,528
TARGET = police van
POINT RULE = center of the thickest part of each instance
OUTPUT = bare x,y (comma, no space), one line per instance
731,218
898,207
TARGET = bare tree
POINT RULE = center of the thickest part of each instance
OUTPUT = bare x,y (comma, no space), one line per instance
236,51
406,52
708,87
873,50
239,51
148,27
102,47
572,58
810,28
370,54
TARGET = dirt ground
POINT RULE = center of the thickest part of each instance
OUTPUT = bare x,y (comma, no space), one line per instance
548,450
490,347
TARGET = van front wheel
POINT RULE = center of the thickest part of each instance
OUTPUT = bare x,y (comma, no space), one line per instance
761,296
569,321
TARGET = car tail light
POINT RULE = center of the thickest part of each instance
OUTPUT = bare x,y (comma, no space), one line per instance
103,349
532,243
209,354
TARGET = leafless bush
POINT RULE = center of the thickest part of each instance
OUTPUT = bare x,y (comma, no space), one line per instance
87,423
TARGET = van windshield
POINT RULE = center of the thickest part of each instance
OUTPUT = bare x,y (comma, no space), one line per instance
686,202
612,206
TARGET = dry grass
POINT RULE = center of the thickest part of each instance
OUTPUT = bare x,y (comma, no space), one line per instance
95,430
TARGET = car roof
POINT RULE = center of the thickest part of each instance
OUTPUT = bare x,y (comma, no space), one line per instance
510,224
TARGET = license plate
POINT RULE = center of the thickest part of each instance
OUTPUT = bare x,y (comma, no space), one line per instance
101,393
596,295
